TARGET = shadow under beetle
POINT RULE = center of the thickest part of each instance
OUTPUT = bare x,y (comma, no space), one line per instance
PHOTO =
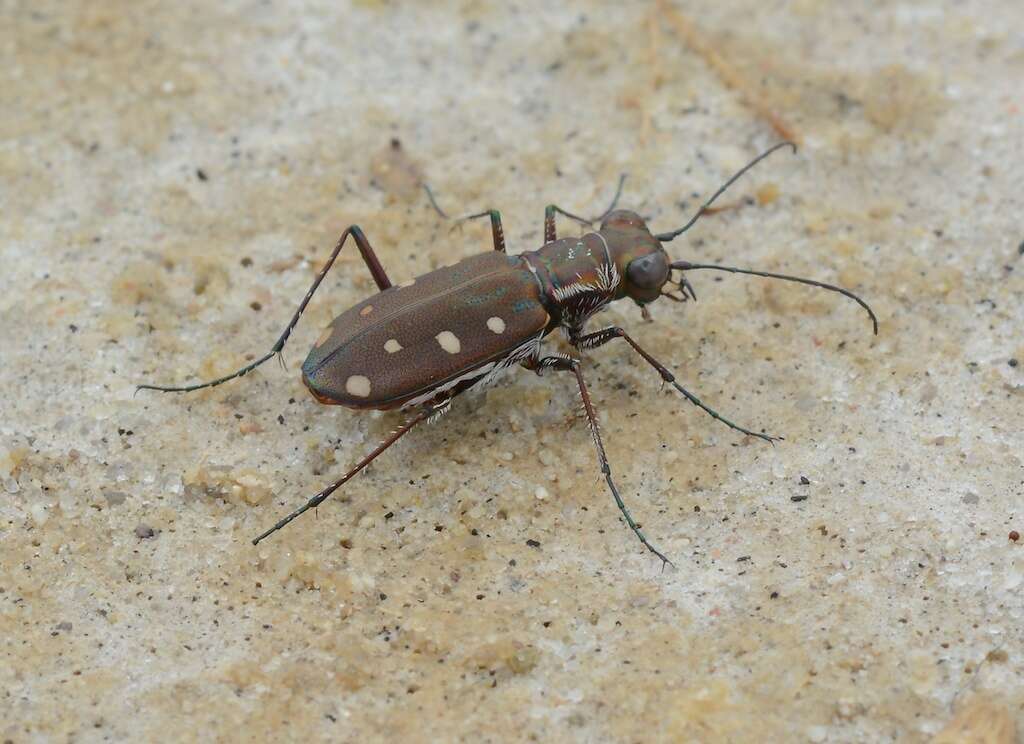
417,345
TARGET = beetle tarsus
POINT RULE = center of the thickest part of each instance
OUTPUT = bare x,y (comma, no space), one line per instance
568,364
424,414
433,203
550,234
497,231
212,383
603,336
376,271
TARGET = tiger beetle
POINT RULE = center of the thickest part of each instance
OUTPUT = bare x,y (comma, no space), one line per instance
415,346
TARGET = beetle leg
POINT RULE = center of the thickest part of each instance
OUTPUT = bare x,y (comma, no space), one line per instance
567,364
603,336
379,276
550,234
497,233
550,210
425,413
552,361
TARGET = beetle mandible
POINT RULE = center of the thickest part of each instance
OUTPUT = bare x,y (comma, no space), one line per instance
417,345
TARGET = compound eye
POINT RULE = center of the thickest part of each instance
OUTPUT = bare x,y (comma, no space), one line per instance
649,272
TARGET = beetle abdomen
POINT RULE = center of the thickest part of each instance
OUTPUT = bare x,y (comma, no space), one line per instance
429,335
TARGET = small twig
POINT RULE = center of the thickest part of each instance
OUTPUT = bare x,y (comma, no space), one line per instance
729,75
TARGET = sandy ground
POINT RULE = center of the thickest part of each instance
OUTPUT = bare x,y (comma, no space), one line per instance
173,174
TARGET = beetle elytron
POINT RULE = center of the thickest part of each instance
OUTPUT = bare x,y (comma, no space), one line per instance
418,345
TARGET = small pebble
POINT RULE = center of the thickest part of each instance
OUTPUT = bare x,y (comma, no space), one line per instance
144,531
115,498
804,481
799,497
1013,362
1014,535
39,513
541,493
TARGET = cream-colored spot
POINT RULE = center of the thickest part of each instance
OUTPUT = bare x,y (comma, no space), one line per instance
392,346
449,342
409,283
358,386
366,310
496,324
324,336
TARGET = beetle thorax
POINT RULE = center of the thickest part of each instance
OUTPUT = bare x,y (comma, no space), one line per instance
578,277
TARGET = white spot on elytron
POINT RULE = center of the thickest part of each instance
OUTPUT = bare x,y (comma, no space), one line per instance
324,336
358,386
449,342
496,324
366,310
392,346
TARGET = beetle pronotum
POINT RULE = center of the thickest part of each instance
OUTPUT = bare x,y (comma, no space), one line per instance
416,346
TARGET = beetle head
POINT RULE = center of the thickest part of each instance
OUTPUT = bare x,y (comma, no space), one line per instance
638,255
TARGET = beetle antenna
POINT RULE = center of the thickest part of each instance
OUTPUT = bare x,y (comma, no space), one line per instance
615,199
687,266
666,237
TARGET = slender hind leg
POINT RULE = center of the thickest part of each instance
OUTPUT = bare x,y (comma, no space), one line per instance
551,209
600,338
566,364
376,270
424,414
497,232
